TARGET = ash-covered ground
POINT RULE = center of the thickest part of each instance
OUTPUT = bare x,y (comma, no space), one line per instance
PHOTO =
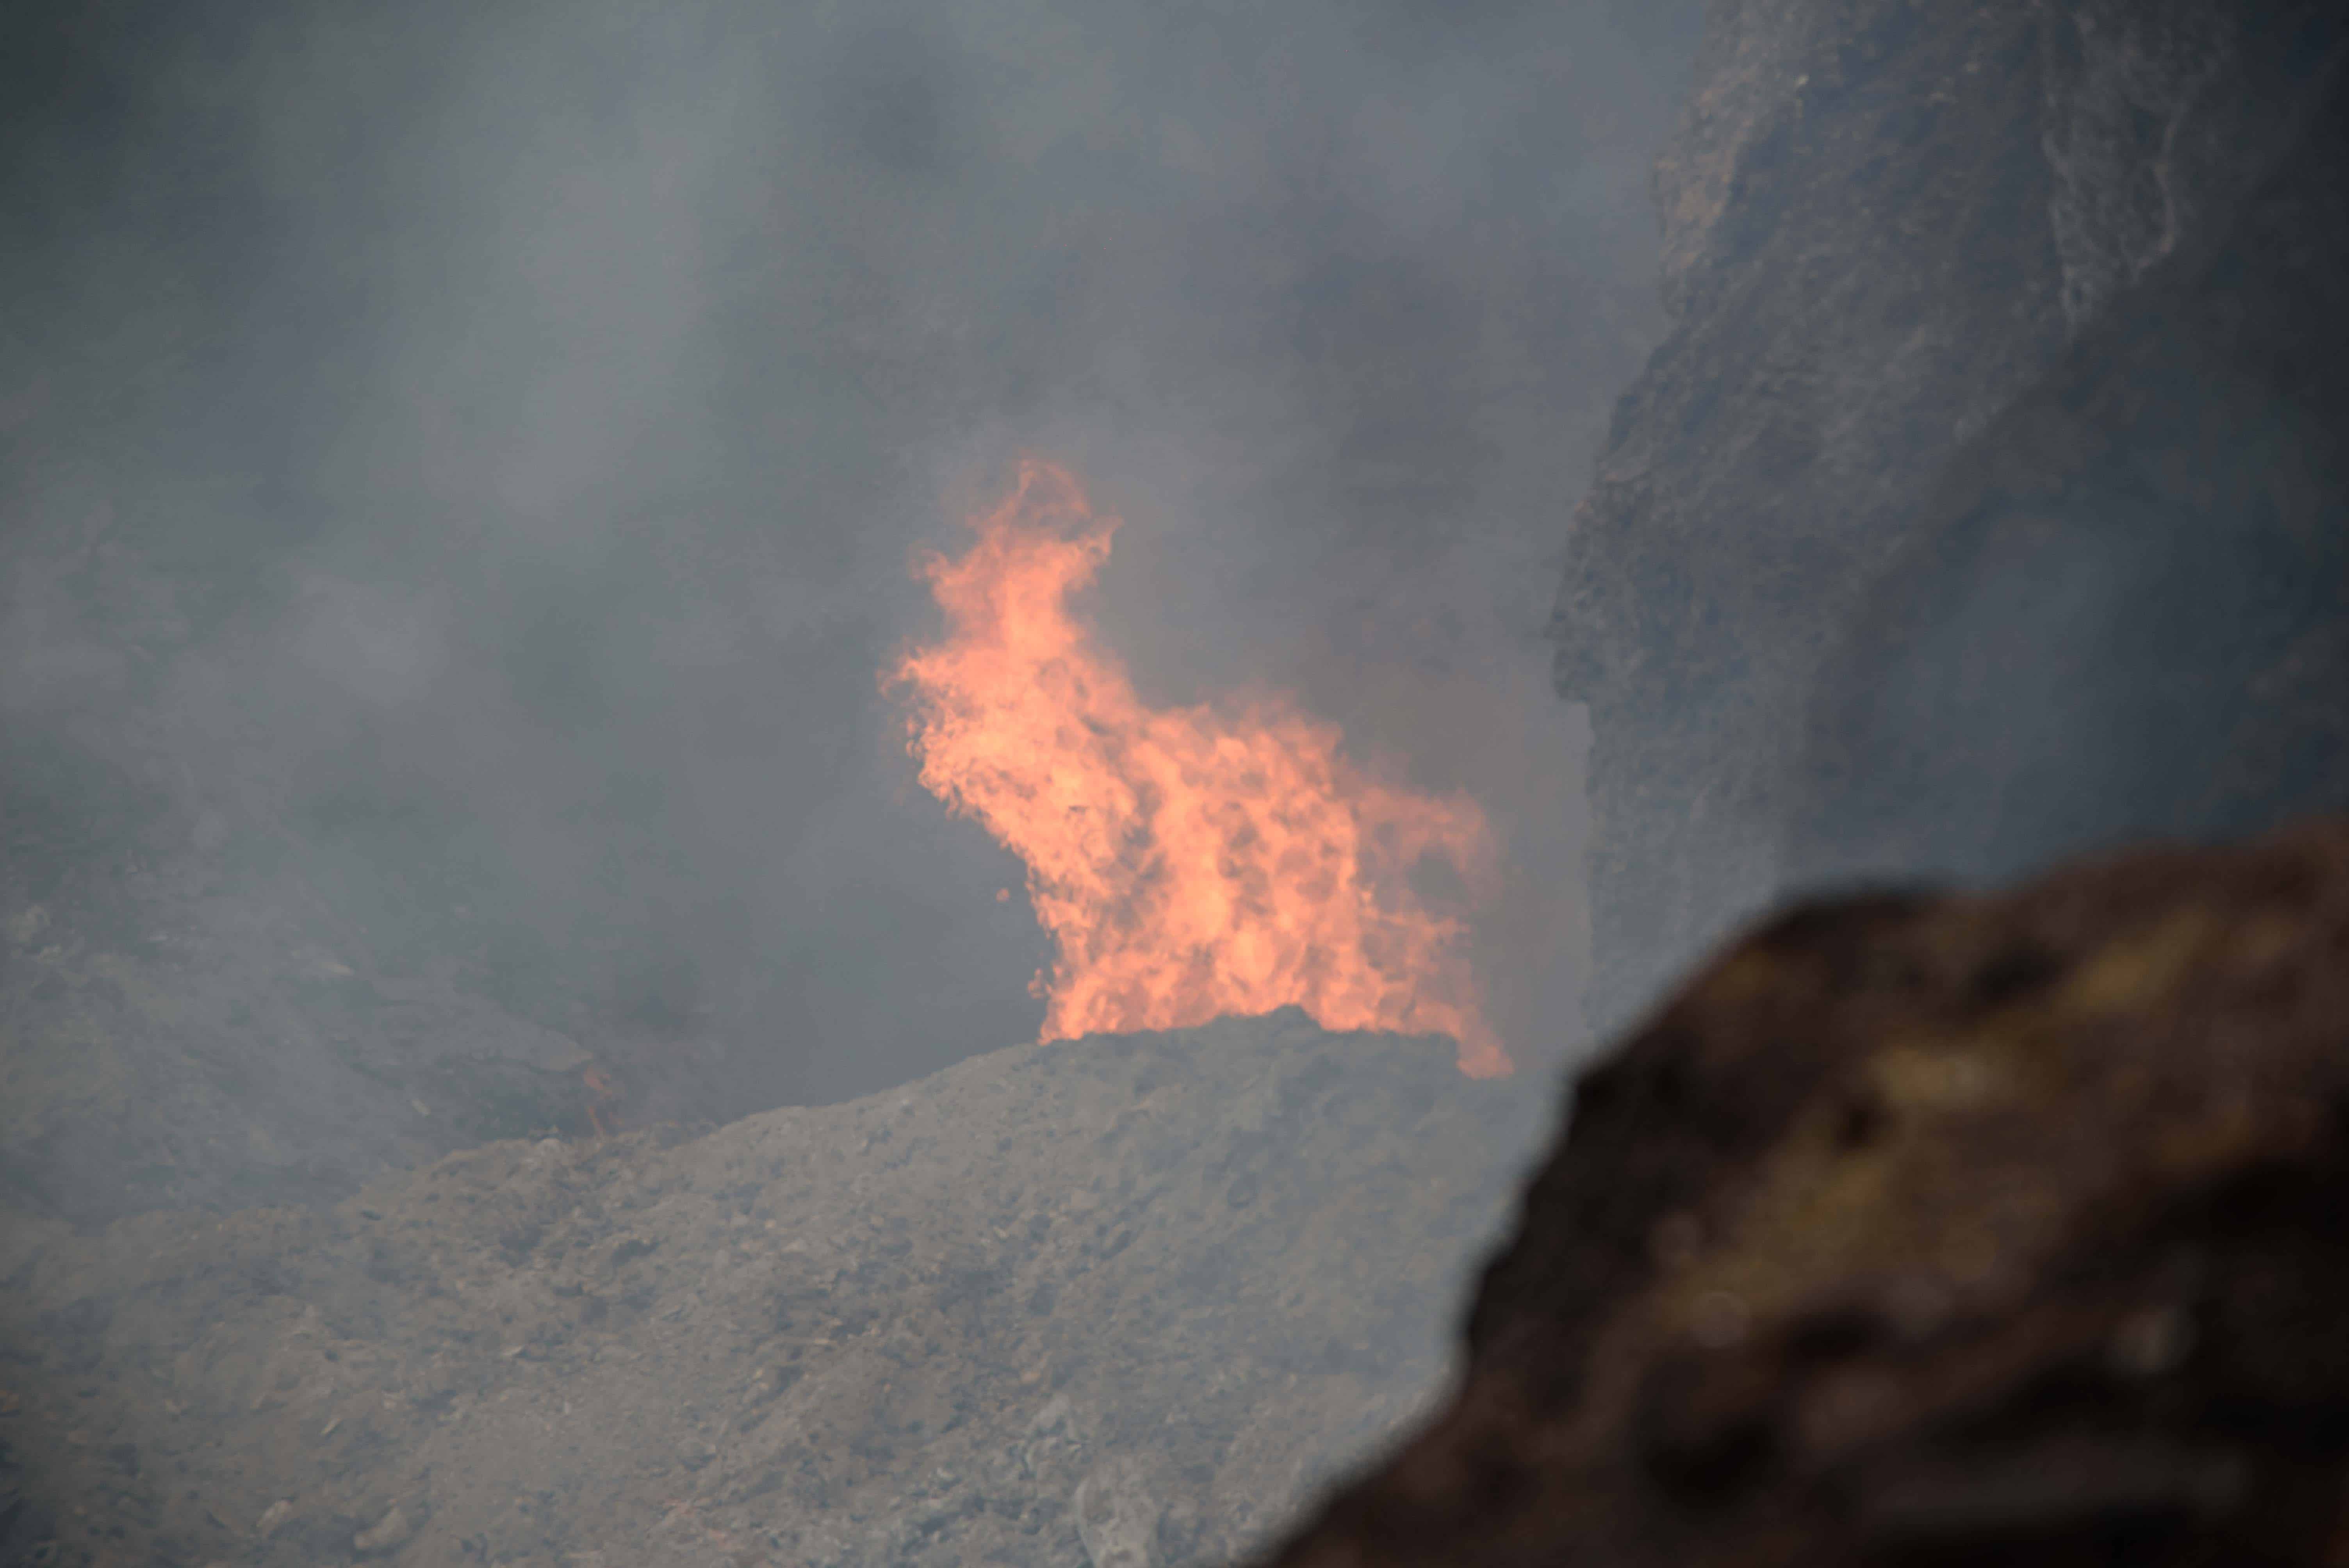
1122,1301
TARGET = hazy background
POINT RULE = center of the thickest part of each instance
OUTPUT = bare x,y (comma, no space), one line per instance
466,461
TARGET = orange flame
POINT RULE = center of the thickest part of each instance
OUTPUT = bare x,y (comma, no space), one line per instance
1186,861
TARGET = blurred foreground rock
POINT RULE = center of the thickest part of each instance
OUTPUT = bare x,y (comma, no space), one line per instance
1979,1229
1126,1301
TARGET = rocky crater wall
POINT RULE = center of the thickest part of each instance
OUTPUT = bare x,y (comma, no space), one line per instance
1888,223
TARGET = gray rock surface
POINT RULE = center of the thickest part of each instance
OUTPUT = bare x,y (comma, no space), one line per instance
2126,611
1124,1301
1884,221
191,1038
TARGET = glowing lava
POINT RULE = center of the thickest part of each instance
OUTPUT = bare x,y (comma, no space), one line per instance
1186,861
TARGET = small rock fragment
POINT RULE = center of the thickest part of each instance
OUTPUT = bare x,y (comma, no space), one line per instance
1117,1515
386,1534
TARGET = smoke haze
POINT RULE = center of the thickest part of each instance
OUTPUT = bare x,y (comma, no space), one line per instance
465,464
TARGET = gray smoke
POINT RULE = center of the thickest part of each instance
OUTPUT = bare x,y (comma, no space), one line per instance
467,459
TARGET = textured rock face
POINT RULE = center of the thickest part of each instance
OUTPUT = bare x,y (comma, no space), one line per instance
2155,115
2125,610
1124,1302
1885,222
1978,1229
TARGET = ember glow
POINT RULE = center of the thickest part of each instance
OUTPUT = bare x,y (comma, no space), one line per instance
1185,862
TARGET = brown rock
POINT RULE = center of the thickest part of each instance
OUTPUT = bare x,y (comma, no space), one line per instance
1959,1229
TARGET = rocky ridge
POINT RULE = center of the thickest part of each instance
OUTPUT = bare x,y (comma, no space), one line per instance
1122,1301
